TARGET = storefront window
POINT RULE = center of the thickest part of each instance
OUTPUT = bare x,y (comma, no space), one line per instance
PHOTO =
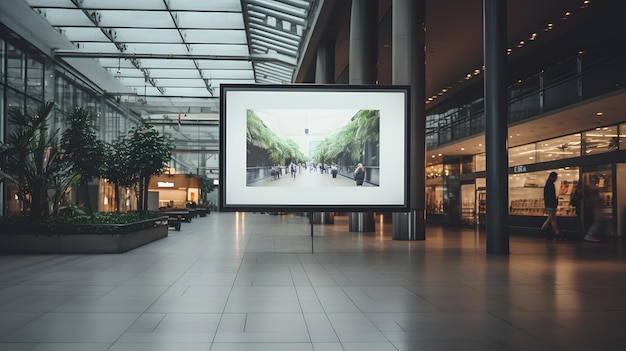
622,136
434,171
600,140
2,116
15,100
467,165
559,148
15,68
32,106
49,82
434,199
522,155
3,55
468,204
480,162
526,192
34,84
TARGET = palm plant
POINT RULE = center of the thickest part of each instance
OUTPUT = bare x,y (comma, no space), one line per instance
33,161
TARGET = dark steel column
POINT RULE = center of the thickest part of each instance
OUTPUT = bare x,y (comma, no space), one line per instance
325,63
496,121
363,42
324,74
408,68
363,70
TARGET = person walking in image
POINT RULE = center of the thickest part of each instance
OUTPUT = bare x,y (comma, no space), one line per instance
359,174
576,201
551,203
601,219
292,169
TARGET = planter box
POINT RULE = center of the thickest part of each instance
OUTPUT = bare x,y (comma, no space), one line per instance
32,243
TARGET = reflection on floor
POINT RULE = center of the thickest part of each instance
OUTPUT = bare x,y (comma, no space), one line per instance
235,281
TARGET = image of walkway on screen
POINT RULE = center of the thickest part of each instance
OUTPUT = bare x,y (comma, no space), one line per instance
325,145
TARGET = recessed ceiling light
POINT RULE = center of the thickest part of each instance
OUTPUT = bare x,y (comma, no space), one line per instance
599,114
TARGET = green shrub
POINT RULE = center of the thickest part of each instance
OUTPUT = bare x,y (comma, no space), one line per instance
100,223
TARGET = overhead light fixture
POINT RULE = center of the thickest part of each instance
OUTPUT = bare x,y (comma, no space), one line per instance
119,66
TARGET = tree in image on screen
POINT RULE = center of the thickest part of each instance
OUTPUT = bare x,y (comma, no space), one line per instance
318,155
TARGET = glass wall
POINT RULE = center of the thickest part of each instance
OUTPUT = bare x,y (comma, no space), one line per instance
27,80
558,148
16,72
601,140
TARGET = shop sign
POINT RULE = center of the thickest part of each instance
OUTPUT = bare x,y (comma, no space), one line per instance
165,184
520,169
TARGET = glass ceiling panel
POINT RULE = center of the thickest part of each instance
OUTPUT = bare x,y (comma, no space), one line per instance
185,92
170,49
219,50
224,74
125,4
145,90
98,47
152,63
134,35
175,73
233,36
181,83
67,17
204,41
210,20
84,34
224,64
50,3
213,5
137,81
148,36
218,82
138,19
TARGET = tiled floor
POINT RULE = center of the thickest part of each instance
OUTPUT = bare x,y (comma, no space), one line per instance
250,282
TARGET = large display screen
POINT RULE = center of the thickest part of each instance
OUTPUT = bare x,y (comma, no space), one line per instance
299,148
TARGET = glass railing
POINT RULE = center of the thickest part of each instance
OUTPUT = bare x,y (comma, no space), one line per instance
576,79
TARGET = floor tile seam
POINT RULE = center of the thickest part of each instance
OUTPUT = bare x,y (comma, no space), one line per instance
520,329
36,272
162,294
324,311
232,287
364,314
295,288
